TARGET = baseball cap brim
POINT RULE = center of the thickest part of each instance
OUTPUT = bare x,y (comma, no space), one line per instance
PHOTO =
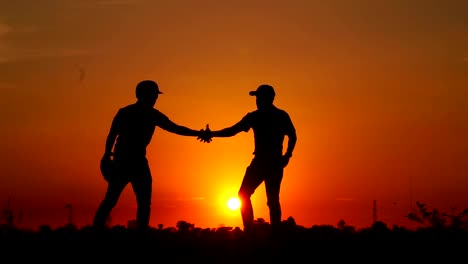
253,93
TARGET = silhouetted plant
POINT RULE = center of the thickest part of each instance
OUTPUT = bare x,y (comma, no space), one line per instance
291,221
426,217
184,226
436,219
341,224
458,220
45,229
379,225
260,221
345,228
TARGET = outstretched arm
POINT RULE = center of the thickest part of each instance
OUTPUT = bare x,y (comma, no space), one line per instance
172,127
243,125
227,132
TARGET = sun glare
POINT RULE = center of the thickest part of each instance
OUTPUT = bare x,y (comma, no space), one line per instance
233,203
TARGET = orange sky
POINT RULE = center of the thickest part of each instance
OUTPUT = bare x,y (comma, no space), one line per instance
377,92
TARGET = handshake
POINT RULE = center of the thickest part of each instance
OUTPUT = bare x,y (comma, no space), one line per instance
205,135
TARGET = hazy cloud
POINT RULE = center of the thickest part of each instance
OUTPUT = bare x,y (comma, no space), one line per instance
4,50
4,29
115,2
189,198
10,52
345,199
82,75
4,84
102,3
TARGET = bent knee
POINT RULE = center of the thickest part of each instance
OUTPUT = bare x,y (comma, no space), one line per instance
243,195
273,204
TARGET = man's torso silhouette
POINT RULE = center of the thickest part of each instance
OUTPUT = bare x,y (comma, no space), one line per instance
269,127
136,125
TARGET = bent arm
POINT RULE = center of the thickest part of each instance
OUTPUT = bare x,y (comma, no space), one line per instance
292,139
111,137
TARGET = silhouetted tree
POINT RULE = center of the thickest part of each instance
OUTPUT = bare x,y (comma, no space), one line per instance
436,219
458,221
341,224
184,226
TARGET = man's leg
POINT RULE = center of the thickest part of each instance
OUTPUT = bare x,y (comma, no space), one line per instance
114,189
142,186
249,184
272,187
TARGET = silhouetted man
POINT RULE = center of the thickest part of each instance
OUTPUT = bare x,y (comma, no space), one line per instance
270,125
132,129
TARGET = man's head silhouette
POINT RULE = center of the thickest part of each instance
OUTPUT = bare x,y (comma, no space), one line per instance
147,92
265,95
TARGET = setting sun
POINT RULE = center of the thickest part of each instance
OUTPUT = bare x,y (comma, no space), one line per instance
233,203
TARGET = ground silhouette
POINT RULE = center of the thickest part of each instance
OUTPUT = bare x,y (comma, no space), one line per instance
186,242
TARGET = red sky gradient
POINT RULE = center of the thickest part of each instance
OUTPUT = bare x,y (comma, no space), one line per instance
377,92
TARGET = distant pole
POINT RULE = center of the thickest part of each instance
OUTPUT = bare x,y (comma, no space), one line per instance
375,211
70,219
411,193
8,214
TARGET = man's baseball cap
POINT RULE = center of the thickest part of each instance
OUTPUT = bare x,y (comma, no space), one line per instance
147,87
263,90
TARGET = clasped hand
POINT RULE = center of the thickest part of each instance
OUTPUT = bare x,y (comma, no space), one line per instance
205,135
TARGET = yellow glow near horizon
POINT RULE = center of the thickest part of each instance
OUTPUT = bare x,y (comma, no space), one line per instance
233,203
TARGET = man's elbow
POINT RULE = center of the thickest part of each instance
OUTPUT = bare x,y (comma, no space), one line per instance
293,137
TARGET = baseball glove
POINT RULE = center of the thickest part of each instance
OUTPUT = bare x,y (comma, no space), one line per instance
107,167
